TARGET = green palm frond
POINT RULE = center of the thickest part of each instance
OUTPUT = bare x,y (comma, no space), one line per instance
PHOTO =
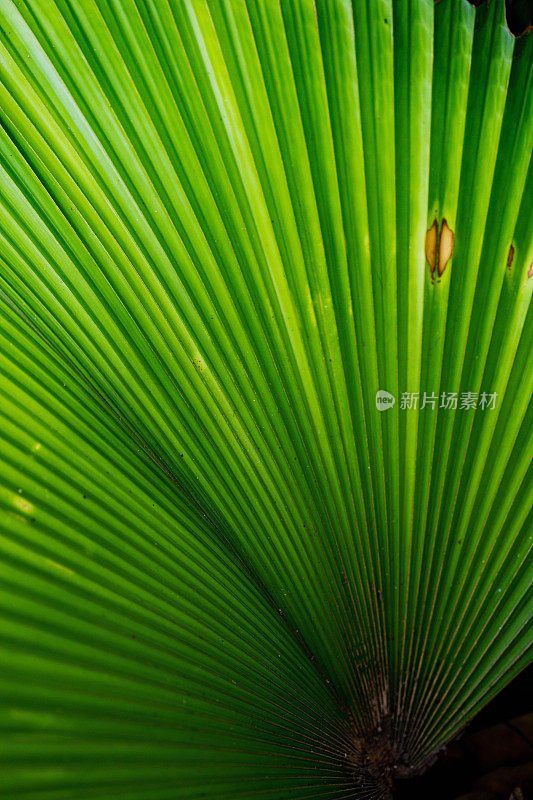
227,570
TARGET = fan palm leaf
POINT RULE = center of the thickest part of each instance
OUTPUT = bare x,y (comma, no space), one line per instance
226,229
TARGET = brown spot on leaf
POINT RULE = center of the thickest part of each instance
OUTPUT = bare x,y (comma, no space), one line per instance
510,257
447,237
439,246
431,246
530,271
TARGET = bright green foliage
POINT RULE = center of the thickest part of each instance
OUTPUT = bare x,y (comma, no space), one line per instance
224,573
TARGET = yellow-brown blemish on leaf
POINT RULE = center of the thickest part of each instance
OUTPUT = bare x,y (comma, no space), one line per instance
510,257
439,246
447,238
530,271
431,246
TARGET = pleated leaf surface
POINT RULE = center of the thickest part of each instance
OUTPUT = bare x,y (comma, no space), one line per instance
265,377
